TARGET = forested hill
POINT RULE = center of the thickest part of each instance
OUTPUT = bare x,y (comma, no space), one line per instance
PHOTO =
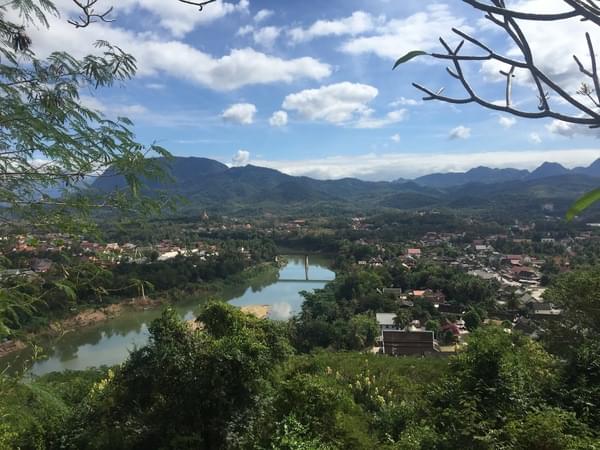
485,175
205,183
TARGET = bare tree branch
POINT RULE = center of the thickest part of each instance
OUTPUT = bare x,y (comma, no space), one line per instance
507,20
200,4
89,14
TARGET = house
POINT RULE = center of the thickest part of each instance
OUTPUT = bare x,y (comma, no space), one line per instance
526,326
523,273
401,343
436,297
545,310
386,321
396,292
413,252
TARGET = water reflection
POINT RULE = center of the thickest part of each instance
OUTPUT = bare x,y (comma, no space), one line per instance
281,311
109,343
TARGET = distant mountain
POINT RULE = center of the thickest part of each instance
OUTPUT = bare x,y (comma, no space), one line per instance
485,175
206,184
591,171
209,183
478,175
548,170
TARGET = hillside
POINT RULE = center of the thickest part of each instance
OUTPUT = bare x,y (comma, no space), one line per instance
485,175
205,183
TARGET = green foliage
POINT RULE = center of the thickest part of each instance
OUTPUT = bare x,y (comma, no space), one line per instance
408,57
499,378
35,414
472,320
583,203
581,383
292,435
549,429
185,389
52,142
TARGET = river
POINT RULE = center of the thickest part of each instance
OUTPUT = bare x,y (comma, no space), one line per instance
110,342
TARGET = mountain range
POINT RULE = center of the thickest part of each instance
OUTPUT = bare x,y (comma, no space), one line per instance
206,183
486,175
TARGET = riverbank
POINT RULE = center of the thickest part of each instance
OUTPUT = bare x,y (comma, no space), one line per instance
260,311
90,316
82,319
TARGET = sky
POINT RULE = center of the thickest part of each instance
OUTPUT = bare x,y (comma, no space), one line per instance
307,87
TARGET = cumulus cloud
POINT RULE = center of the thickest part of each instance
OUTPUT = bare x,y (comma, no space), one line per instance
369,122
263,15
403,101
167,57
399,36
241,158
570,130
279,119
359,22
391,166
132,110
267,36
337,103
507,122
535,138
395,138
460,132
179,19
240,113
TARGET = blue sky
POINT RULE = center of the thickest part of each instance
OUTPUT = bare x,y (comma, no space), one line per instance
307,87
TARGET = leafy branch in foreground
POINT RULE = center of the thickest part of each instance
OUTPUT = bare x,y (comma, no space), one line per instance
52,143
582,107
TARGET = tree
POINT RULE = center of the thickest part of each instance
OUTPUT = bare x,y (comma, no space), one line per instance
472,320
581,108
49,140
185,389
402,319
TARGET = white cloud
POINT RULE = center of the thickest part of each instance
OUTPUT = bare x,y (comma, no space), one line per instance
395,138
403,101
408,165
460,132
279,119
266,36
155,86
178,18
240,113
369,122
245,30
416,32
113,109
571,130
337,103
359,22
507,122
241,158
263,15
535,138
160,57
